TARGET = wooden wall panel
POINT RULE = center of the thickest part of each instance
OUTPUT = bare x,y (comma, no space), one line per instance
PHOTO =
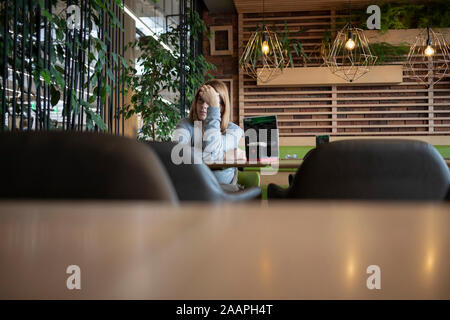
392,74
405,109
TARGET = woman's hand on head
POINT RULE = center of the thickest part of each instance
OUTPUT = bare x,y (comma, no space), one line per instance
210,95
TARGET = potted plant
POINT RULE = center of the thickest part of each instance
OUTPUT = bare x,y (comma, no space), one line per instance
160,73
289,45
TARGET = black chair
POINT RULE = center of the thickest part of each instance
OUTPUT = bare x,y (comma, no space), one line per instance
80,165
196,182
378,169
291,176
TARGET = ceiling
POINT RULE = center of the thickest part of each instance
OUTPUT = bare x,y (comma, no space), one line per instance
244,6
221,6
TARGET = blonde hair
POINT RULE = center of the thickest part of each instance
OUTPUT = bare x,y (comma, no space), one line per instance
222,89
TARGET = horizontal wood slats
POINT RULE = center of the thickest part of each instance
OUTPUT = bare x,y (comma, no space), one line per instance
323,76
407,108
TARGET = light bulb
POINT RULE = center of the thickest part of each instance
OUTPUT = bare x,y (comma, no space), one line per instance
265,47
429,51
350,44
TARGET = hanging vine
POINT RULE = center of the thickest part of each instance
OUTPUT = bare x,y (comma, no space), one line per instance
64,55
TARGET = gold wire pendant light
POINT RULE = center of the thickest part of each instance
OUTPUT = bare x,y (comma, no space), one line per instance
428,59
263,57
350,57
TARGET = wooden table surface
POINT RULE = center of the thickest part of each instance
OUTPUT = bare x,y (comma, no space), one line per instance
236,164
295,250
283,164
288,163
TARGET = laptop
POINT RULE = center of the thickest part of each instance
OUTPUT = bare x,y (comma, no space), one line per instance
261,146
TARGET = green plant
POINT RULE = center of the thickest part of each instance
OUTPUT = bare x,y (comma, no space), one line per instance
384,51
326,44
87,53
407,15
398,15
161,73
282,46
288,44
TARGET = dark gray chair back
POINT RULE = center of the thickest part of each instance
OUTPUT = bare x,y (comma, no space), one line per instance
80,165
196,182
381,169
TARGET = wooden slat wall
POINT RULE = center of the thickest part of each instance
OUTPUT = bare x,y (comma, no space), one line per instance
408,108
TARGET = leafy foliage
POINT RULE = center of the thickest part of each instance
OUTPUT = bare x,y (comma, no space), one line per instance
95,49
407,15
399,15
89,52
384,51
161,73
288,44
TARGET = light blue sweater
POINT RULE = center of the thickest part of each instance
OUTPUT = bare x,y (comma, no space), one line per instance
214,143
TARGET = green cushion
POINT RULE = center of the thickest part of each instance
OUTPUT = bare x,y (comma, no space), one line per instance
249,179
300,151
444,151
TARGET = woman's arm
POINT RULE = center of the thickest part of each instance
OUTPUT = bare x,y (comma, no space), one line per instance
231,137
213,144
216,144
183,132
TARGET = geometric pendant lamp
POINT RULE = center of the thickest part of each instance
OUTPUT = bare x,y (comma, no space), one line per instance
428,59
263,57
350,57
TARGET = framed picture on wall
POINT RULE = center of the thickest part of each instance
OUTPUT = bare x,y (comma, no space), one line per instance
221,42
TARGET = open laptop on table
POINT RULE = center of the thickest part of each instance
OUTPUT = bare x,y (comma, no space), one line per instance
262,143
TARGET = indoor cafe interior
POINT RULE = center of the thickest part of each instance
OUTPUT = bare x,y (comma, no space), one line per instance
233,149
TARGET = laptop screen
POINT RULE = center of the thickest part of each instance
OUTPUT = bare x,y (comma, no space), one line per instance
261,143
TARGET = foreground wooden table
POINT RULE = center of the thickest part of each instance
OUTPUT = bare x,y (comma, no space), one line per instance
299,250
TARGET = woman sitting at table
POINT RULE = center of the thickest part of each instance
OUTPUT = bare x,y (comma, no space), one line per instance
210,111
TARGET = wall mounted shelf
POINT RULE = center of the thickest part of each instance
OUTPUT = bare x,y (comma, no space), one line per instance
390,74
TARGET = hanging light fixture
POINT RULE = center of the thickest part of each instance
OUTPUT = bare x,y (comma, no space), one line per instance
350,43
428,59
263,57
350,57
